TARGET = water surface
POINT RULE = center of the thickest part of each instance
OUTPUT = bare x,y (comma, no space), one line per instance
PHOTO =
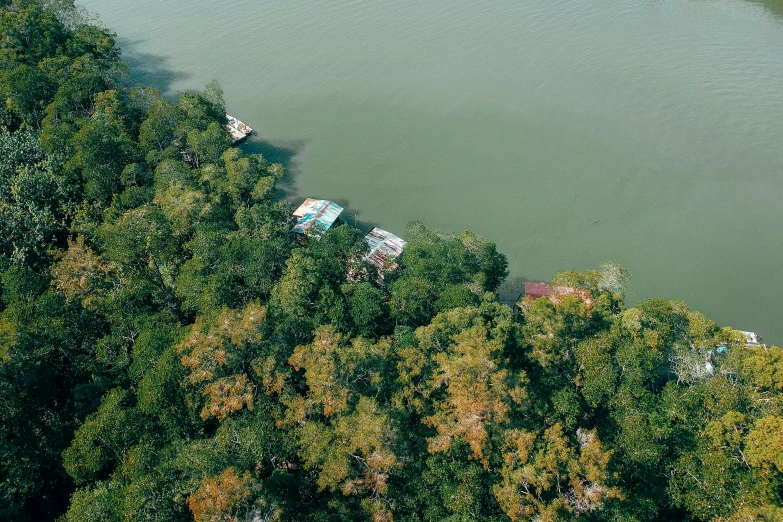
525,121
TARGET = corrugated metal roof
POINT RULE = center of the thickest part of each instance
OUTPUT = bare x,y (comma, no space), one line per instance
556,293
751,338
384,246
316,216
536,290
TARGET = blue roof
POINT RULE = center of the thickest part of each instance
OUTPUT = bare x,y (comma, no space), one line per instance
316,216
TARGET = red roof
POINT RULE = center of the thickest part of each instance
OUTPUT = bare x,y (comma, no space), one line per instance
556,293
536,290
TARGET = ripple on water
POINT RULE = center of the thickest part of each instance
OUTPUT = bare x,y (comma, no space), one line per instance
524,120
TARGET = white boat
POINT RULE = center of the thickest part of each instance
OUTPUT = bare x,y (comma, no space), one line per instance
238,130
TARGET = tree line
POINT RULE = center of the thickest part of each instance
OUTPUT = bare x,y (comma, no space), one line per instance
170,351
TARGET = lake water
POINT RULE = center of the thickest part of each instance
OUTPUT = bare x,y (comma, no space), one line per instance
523,120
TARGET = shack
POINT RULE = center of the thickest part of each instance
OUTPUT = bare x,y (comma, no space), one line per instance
316,216
555,293
384,249
238,130
752,338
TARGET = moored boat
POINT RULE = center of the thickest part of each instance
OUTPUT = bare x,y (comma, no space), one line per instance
239,131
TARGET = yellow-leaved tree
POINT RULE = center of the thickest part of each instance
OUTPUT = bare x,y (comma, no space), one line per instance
222,498
545,477
471,387
346,436
217,351
81,274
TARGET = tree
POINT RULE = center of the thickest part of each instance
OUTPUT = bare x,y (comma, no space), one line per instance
102,441
29,91
343,433
141,240
31,218
200,110
243,175
310,291
215,352
45,359
546,478
366,307
765,444
81,274
221,498
598,373
101,153
158,131
177,196
613,278
439,266
29,33
95,504
480,392
207,146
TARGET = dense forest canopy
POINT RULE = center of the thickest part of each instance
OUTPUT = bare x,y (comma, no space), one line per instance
169,350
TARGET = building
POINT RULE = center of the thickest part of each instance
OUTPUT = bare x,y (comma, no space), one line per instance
316,216
751,338
555,293
384,249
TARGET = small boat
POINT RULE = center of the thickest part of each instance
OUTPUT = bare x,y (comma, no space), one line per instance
238,130
751,338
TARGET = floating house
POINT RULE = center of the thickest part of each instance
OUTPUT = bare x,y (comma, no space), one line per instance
238,130
555,293
316,216
384,248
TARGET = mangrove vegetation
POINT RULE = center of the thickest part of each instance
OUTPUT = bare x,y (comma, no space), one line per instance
170,351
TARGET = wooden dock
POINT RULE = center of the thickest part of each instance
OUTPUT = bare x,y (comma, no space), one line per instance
238,130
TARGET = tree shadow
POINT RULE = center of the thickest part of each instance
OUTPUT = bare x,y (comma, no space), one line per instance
149,69
511,291
284,152
352,216
154,71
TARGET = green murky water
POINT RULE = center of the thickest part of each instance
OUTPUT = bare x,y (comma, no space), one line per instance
523,120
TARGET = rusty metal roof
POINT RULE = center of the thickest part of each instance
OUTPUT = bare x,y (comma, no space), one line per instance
384,247
316,216
536,290
556,293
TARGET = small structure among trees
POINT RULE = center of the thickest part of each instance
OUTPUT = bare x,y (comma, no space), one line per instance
316,216
752,339
555,293
384,247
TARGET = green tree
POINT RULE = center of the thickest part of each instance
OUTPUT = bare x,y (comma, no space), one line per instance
546,477
29,92
102,441
207,146
101,153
